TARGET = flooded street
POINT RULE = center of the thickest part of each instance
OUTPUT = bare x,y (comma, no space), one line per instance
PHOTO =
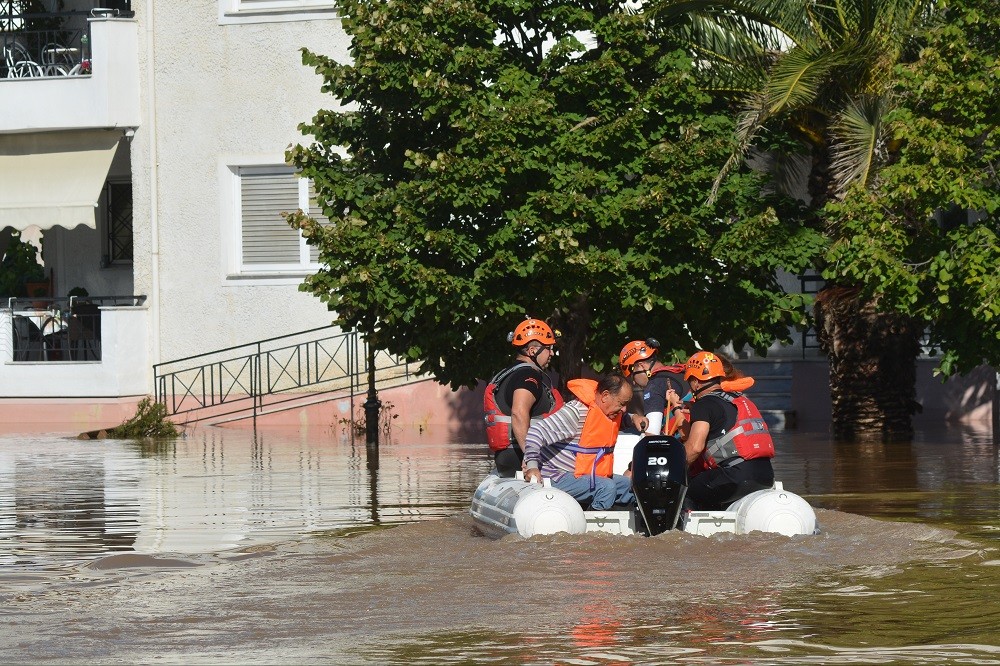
296,547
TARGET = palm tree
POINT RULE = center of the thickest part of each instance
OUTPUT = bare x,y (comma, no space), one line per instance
821,72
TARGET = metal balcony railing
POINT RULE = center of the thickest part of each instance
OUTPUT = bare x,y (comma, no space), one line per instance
46,44
60,329
270,374
811,284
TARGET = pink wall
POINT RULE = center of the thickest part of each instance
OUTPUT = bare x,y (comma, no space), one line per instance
64,415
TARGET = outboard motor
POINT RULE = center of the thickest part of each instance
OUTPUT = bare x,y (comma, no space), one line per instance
659,481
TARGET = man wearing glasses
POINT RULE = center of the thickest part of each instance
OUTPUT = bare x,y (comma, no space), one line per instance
575,446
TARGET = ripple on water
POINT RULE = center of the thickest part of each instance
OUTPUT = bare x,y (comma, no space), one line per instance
229,547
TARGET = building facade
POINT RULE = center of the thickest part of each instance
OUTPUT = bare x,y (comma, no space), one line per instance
142,150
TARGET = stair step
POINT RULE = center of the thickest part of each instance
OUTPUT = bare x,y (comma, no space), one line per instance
771,386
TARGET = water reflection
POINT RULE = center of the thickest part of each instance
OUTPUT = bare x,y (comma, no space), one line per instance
945,476
62,500
230,546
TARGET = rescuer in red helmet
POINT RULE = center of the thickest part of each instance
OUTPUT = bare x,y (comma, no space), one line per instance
520,394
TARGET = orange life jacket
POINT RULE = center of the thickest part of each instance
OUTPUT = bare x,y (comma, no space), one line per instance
595,452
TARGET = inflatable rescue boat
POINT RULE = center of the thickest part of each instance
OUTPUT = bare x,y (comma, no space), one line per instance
503,506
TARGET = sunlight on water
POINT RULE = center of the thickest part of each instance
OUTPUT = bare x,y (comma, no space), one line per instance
63,500
228,546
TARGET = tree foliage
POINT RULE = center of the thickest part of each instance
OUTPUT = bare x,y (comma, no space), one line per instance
924,238
822,73
497,159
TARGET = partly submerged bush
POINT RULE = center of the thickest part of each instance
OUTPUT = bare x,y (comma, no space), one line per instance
150,420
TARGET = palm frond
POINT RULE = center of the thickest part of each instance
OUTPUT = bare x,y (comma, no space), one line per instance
798,77
750,122
856,133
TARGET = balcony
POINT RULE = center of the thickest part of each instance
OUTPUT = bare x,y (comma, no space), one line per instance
88,81
54,348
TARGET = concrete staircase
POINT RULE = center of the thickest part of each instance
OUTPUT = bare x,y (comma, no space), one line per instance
772,390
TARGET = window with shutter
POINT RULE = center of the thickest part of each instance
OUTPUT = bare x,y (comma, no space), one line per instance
267,244
268,11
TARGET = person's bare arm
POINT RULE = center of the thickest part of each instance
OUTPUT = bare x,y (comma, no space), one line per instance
520,414
694,445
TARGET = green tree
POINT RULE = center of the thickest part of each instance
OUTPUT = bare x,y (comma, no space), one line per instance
827,75
921,239
545,158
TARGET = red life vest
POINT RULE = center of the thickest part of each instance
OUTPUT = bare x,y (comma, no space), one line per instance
595,452
499,434
748,439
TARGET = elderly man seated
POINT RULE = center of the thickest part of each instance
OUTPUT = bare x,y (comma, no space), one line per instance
574,446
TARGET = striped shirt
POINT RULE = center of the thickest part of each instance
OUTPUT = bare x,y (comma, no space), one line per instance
545,444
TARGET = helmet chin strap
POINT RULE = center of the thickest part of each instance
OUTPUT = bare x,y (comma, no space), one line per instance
709,386
533,357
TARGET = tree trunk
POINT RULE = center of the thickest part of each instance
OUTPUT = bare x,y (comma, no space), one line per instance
574,324
872,358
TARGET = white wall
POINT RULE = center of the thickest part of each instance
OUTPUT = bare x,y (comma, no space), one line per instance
124,368
213,93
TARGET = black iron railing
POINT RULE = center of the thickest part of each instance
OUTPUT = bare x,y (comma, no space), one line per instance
37,44
245,379
811,284
60,329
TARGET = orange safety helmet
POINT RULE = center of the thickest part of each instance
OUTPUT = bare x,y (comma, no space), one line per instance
704,365
532,329
637,350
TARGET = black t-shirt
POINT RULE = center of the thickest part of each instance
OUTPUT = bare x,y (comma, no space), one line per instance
720,414
654,396
531,379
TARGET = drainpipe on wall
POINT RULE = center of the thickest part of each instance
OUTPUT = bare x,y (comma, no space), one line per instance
154,221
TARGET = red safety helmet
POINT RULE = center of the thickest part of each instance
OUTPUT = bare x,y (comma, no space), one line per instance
532,329
637,350
704,365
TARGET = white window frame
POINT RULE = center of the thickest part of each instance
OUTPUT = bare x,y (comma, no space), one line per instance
276,273
274,11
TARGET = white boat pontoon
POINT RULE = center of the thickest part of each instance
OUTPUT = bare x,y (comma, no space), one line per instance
503,506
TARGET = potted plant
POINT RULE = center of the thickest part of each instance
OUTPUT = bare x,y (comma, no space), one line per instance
20,273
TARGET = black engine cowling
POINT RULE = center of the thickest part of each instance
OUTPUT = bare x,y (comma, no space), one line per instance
659,480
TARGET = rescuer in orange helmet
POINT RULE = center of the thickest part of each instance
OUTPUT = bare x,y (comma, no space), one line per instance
662,385
520,394
727,437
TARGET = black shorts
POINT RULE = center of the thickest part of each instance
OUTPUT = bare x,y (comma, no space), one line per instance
508,461
716,489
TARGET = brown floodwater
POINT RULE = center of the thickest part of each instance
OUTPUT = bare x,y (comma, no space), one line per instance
299,547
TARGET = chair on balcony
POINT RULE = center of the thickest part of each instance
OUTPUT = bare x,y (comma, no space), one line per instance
59,60
17,63
84,332
28,342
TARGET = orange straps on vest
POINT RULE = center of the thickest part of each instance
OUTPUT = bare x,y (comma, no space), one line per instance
676,420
